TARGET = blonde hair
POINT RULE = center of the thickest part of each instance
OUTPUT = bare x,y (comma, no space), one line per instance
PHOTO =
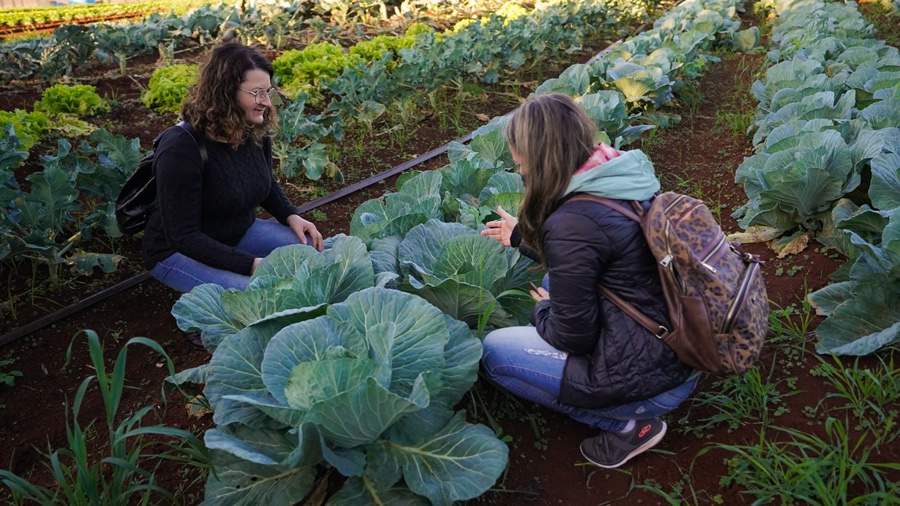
554,137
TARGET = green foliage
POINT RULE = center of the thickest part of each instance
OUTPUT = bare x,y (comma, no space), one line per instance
737,401
808,469
169,86
871,394
314,367
304,70
29,126
126,474
46,224
80,100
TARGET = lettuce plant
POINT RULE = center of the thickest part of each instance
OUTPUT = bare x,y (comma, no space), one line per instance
169,86
80,100
29,126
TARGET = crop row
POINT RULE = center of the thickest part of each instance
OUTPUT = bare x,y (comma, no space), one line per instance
74,47
71,199
356,313
827,163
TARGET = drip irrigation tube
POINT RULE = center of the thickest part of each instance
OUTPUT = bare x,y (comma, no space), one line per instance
24,330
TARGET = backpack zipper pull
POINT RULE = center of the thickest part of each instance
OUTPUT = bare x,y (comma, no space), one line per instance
666,261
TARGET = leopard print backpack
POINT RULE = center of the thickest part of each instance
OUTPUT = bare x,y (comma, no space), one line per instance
715,294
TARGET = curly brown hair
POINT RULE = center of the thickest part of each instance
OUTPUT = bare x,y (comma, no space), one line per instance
554,136
212,106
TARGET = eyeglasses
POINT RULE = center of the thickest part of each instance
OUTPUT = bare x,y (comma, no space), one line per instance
258,94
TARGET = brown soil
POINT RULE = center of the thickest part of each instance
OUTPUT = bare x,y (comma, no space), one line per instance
545,467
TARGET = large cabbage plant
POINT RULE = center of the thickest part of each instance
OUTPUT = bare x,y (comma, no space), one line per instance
863,306
293,283
367,389
469,277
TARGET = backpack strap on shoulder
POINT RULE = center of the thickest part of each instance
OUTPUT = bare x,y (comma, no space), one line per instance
184,125
632,214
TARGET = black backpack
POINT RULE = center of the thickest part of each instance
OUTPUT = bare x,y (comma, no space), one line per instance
137,199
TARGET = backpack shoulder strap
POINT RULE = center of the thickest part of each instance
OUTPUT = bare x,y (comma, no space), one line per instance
634,214
612,204
197,138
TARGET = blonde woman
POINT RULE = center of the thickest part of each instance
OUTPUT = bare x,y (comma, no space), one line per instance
584,357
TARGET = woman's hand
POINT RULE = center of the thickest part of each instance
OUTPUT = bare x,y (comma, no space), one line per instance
538,293
501,230
256,263
303,228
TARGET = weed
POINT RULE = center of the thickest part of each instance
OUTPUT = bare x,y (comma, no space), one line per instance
736,122
318,215
871,394
737,400
126,476
809,469
789,329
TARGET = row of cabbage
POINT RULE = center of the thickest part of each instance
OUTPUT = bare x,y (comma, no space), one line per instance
71,199
270,22
354,358
827,163
359,93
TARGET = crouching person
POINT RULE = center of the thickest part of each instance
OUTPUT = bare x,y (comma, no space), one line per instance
212,172
585,357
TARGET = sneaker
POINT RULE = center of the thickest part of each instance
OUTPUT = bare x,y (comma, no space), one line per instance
612,449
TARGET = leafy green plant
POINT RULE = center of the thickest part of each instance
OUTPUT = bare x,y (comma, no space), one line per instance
29,126
737,401
275,293
810,469
469,277
80,100
127,474
169,86
304,70
871,393
394,214
343,375
789,329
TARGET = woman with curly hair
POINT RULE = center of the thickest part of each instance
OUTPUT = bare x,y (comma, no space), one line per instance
212,171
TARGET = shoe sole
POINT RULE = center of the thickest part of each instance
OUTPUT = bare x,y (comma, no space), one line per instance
653,441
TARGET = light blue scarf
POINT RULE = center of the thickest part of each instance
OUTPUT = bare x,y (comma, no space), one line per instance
629,176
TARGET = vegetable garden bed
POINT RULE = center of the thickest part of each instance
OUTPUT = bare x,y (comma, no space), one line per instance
696,462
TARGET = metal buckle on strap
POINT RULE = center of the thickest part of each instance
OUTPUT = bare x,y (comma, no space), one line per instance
662,332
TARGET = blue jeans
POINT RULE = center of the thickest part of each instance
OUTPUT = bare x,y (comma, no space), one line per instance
520,361
184,273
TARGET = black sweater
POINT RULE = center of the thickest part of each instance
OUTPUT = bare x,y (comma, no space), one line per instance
203,211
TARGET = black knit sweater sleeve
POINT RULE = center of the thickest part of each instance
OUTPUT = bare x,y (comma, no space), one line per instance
179,188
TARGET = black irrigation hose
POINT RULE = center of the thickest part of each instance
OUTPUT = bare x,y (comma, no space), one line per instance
24,330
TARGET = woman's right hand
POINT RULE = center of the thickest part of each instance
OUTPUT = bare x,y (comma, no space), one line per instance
256,263
501,230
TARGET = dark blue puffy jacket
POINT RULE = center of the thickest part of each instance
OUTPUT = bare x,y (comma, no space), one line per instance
612,359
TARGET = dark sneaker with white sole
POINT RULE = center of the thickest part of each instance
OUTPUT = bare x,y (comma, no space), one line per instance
612,449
